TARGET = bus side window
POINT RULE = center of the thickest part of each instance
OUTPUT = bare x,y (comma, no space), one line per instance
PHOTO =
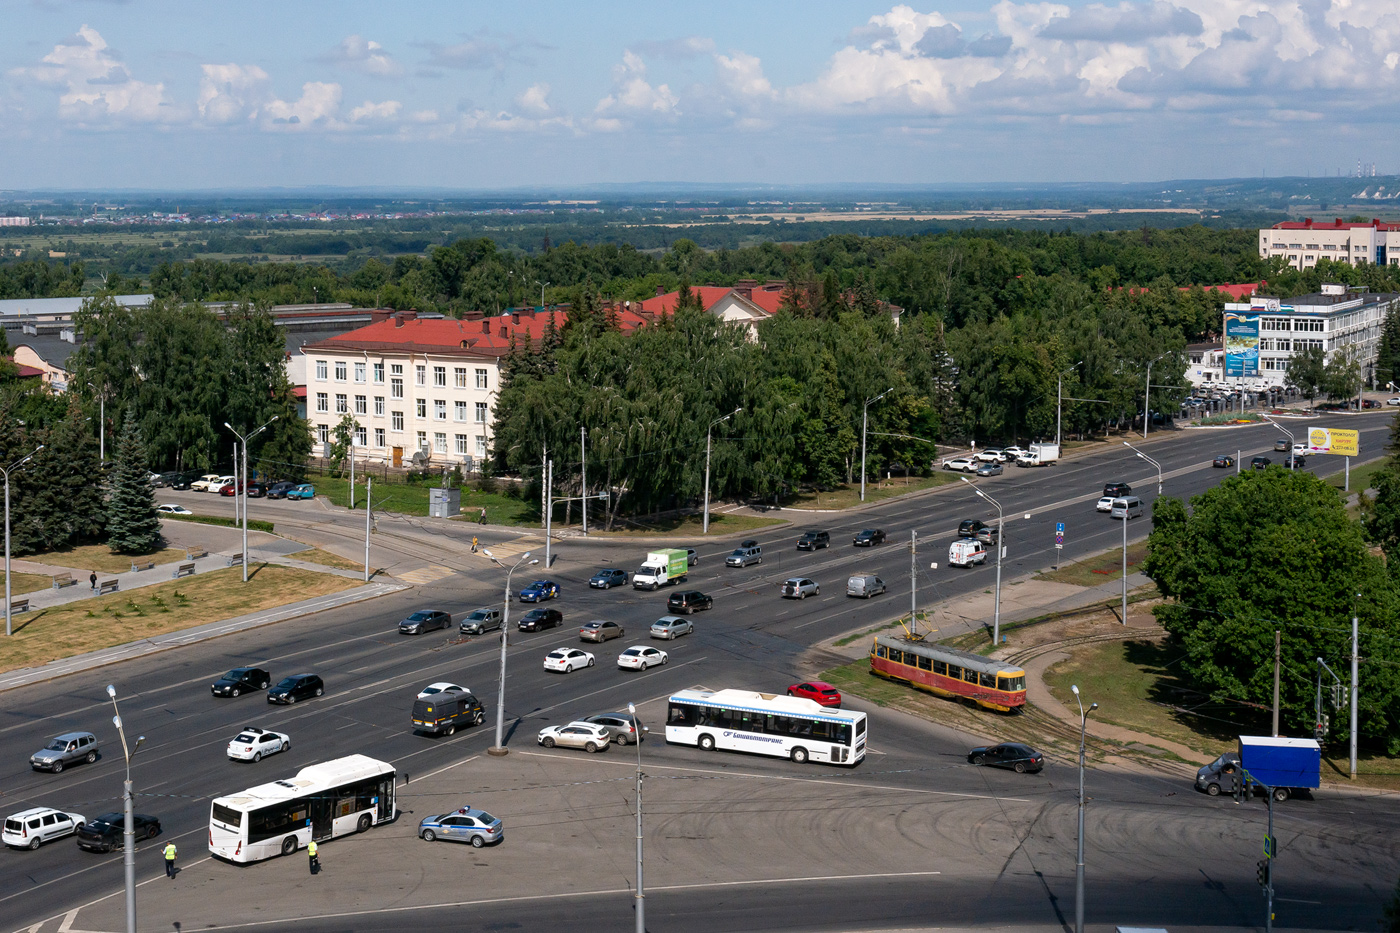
925,664
940,667
841,733
680,715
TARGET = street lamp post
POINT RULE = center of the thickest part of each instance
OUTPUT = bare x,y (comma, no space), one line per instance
1059,384
542,287
101,423
244,492
1079,857
996,612
129,829
6,470
499,748
864,421
1149,460
1147,394
1292,442
639,899
705,522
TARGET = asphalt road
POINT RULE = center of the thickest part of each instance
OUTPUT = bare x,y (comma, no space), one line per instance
752,639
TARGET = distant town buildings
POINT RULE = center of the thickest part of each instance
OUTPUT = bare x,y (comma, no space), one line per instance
1303,243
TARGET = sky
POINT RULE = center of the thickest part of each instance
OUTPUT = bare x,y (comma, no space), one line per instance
103,94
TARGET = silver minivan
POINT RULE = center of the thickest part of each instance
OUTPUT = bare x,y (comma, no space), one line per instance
864,585
1126,508
743,556
69,748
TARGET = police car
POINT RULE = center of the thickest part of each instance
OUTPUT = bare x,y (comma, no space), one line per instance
465,824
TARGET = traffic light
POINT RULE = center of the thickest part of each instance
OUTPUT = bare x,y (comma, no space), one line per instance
1263,874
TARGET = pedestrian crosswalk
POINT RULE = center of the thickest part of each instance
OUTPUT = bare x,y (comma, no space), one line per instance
425,575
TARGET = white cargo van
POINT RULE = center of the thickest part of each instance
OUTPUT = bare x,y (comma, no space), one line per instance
864,585
965,552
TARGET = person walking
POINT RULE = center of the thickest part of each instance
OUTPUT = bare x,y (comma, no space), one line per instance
315,860
481,519
92,578
170,860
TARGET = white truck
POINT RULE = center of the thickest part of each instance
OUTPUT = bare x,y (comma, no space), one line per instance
661,568
1039,455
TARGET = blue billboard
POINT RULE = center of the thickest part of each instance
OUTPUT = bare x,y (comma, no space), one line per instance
1241,344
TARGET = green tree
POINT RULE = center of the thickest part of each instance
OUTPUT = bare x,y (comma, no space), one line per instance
1341,377
65,503
1307,369
342,439
132,524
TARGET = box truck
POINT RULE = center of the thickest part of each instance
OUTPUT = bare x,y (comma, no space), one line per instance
1286,765
662,568
1039,455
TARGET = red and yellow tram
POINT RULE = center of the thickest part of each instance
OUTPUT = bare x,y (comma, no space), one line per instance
949,672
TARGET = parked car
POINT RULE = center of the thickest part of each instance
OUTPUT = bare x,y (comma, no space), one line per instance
185,480
252,744
241,680
989,469
304,491
439,688
578,734
463,825
811,540
622,727
800,588
670,628
297,687
598,630
217,485
425,620
869,538
256,490
230,489
1259,463
1117,489
607,578
641,657
1223,461
29,829
104,833
988,455
203,483
480,621
66,749
539,591
961,464
1105,504
819,690
169,478
565,660
1393,401
280,490
1012,453
173,508
537,620
689,601
1019,758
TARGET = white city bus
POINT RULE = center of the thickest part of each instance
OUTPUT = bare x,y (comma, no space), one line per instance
323,801
766,724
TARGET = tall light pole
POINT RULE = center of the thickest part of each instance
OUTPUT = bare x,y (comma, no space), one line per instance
6,470
1147,393
1292,442
542,287
1149,460
996,612
705,523
499,748
101,423
129,829
244,491
583,477
1079,858
1059,386
638,899
864,420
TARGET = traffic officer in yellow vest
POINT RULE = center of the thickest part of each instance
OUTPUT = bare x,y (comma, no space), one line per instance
315,861
170,860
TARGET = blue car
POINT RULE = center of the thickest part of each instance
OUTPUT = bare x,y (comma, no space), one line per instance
608,578
539,591
465,825
304,491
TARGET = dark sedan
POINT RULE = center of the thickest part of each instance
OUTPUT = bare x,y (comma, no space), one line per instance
1259,463
256,490
425,620
1294,462
1019,758
869,537
280,490
689,601
296,687
241,680
537,620
104,833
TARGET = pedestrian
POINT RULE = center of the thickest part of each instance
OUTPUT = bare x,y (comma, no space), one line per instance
314,859
473,544
405,777
170,860
92,578
481,519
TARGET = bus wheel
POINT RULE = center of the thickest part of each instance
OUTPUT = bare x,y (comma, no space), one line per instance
799,755
707,742
364,824
289,845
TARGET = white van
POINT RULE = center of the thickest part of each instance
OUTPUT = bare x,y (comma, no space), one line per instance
965,552
1126,508
864,585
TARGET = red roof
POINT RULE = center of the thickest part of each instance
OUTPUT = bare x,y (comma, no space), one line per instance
766,297
1337,224
1243,290
483,337
24,371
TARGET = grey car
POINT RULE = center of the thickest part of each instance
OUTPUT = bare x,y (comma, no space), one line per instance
467,824
67,749
800,588
989,469
425,620
480,621
670,627
619,725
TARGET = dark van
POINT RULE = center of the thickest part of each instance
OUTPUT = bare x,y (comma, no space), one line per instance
442,713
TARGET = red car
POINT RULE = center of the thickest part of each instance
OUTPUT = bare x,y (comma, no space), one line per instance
229,489
819,690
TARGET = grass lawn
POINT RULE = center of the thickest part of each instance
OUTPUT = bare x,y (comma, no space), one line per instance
1101,568
413,500
28,583
104,621
846,497
1361,474
690,525
99,557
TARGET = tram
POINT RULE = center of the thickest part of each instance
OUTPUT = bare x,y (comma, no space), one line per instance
949,672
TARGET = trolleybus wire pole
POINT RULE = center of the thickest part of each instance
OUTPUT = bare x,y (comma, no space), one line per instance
1079,857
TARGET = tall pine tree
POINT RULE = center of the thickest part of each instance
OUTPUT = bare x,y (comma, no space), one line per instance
132,524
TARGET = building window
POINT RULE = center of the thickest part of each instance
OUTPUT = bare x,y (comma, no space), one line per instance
440,442
323,402
378,437
361,437
462,412
480,412
396,369
440,376
321,370
440,409
379,405
396,386
359,372
341,404
339,370
396,421
462,444
459,376
480,446
422,407
420,375
379,373
323,433
422,440
481,379
361,405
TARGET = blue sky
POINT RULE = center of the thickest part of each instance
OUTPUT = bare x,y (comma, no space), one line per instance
191,95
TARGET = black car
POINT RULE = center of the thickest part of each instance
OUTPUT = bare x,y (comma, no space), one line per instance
1224,461
869,537
425,620
1019,758
1117,489
169,478
280,490
1294,462
256,490
296,687
537,620
183,480
811,540
607,578
970,527
241,680
689,601
104,833
1259,463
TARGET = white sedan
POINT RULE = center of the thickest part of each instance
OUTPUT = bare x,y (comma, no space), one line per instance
641,657
1393,401
171,508
565,660
1105,504
585,735
252,744
961,464
441,686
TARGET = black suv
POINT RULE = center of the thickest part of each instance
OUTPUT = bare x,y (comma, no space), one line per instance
970,528
689,601
537,620
869,537
104,833
183,480
241,680
296,687
1117,489
811,540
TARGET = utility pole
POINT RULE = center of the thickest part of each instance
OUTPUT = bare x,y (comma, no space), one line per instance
548,510
913,577
369,508
1278,642
1354,690
583,479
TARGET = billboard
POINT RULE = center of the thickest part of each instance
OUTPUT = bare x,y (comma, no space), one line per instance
1334,441
1241,344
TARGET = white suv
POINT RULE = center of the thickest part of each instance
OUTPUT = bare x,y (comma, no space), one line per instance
30,829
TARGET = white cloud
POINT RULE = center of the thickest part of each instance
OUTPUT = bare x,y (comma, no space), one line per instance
377,113
364,55
632,95
97,88
535,99
742,75
231,92
319,106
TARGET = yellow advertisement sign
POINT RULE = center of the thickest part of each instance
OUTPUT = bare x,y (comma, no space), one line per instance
1334,441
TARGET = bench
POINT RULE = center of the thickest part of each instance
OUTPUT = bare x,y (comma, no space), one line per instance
148,565
194,553
107,586
184,570
235,559
20,605
60,580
